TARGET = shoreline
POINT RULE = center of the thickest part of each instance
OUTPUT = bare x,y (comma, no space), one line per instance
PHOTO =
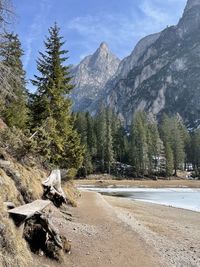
140,183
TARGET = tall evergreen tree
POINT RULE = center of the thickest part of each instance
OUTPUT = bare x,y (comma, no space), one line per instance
154,147
195,152
109,152
50,104
15,112
139,145
91,137
173,138
100,129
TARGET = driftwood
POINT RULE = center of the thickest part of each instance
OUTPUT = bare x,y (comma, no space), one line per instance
52,232
53,190
24,212
38,229
42,235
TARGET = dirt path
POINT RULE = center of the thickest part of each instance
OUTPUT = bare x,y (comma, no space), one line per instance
101,239
116,232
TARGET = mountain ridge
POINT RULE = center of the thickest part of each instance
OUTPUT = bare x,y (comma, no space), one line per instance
161,75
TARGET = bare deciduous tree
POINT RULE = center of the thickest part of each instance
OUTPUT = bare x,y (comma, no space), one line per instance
6,13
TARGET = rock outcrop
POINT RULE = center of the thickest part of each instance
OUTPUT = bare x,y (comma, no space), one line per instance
91,75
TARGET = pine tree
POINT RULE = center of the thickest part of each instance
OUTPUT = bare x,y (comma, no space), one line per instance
154,147
195,152
173,138
91,137
169,160
16,111
50,105
139,145
100,129
109,152
85,127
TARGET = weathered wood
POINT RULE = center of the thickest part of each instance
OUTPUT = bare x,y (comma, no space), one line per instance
9,205
53,190
66,212
54,181
30,209
50,228
4,163
41,234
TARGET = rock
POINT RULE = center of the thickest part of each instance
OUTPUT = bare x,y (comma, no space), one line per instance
4,163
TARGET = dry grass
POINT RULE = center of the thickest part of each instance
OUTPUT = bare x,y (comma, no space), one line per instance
17,184
8,190
13,249
71,192
20,183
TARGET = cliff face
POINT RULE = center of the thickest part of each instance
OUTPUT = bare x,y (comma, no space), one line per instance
161,75
91,75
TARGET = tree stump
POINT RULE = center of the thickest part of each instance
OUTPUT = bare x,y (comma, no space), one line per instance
53,190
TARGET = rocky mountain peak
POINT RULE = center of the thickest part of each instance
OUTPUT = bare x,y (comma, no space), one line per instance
191,4
91,75
104,46
103,55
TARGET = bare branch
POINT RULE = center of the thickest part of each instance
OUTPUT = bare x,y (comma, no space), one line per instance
6,13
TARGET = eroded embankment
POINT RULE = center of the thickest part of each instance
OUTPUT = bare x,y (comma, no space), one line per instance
20,184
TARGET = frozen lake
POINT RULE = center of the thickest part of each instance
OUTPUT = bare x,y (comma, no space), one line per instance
184,198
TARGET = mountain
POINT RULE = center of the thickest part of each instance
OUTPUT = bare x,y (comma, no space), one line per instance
91,76
162,74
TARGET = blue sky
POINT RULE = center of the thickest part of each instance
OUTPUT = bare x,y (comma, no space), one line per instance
86,23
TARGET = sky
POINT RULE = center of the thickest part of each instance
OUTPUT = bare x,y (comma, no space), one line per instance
86,23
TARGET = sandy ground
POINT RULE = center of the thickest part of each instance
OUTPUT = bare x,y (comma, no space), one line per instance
173,233
116,232
142,183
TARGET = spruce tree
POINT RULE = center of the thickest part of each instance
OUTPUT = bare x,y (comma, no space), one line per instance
195,152
51,107
109,152
16,111
154,147
173,138
91,137
85,127
139,144
100,129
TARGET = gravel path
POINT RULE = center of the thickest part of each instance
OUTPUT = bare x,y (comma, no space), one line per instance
173,233
117,232
100,238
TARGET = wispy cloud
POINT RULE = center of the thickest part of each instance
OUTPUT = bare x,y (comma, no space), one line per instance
122,31
36,30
